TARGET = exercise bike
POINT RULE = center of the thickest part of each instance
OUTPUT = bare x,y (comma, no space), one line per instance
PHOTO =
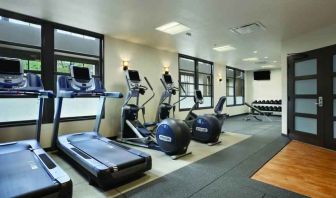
204,128
170,136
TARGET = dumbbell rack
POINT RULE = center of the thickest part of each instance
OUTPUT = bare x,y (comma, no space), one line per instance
268,104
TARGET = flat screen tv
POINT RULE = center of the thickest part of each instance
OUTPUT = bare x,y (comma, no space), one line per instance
262,75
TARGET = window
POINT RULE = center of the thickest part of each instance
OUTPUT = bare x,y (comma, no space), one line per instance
195,74
82,51
21,37
234,87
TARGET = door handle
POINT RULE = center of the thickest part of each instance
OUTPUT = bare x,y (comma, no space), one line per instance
319,102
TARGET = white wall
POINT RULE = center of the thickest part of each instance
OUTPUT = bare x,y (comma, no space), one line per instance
309,41
265,89
149,62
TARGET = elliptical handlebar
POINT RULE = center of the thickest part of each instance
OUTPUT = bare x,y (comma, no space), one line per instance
150,86
185,93
164,85
153,93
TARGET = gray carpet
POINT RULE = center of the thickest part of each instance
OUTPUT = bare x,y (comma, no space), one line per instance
226,173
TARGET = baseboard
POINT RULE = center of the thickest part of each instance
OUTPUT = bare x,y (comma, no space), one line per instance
285,135
112,138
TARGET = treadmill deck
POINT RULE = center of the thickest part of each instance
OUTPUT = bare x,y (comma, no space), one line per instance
108,154
21,173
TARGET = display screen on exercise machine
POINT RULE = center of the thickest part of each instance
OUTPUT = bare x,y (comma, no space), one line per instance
81,73
168,79
134,75
199,95
12,67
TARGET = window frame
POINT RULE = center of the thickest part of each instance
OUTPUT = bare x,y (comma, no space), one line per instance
49,69
234,86
196,78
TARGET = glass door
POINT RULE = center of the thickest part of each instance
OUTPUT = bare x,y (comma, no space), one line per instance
305,102
330,123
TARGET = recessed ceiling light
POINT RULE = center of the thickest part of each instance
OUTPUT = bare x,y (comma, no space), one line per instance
251,59
275,61
224,48
266,57
268,66
255,52
173,28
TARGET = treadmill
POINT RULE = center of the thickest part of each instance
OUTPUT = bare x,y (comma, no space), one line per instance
26,170
105,162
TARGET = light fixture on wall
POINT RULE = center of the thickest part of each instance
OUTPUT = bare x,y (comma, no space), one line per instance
166,69
125,65
220,78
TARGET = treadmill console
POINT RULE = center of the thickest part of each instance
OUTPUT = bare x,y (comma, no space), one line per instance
198,96
81,78
11,72
133,76
168,80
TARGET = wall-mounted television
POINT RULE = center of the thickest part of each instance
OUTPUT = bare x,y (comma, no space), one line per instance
262,75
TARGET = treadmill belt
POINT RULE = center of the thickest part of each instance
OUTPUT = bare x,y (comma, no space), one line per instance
22,173
108,154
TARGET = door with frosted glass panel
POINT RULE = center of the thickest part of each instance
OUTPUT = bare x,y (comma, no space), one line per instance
305,101
330,102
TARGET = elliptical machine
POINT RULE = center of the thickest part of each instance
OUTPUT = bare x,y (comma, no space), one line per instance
171,136
204,128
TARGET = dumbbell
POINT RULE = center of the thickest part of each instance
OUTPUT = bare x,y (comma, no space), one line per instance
272,101
263,101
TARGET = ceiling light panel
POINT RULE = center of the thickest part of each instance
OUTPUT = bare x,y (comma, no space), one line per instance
173,28
224,48
268,66
252,59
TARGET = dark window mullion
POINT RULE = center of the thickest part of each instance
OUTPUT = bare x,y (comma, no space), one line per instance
196,78
47,62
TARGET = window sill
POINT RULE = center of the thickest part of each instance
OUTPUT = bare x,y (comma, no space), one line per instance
201,108
33,122
235,105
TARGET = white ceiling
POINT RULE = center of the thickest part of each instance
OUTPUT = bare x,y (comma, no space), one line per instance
209,20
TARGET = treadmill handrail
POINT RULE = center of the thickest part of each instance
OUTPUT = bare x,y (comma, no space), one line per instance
73,94
39,93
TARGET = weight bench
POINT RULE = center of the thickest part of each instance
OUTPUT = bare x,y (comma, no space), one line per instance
257,114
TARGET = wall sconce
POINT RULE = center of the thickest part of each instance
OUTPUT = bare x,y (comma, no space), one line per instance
125,65
166,69
220,78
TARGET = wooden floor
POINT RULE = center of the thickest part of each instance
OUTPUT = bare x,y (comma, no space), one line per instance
303,168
